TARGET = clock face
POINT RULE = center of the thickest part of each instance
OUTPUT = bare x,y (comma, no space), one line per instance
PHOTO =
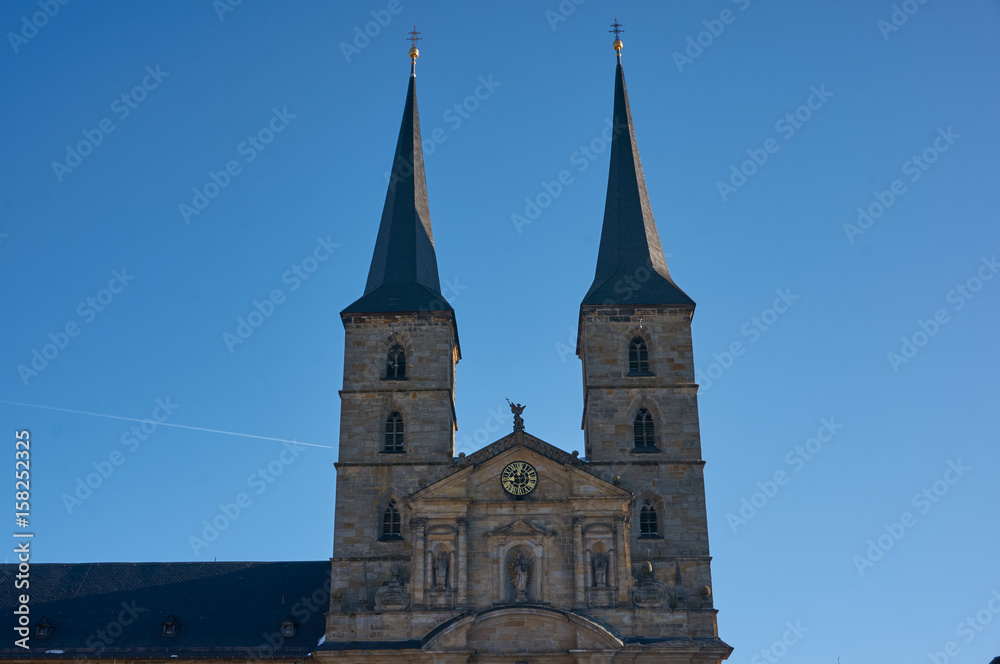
519,478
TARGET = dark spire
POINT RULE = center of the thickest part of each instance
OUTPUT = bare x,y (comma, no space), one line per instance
404,274
631,268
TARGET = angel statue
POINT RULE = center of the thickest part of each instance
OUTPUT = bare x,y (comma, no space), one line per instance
517,409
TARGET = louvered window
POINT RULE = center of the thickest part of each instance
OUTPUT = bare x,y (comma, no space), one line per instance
396,363
647,521
643,430
638,356
393,433
391,521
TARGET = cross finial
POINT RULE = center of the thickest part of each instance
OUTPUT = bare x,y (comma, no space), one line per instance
413,36
414,52
616,28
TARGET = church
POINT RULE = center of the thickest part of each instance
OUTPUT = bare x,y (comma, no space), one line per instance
518,553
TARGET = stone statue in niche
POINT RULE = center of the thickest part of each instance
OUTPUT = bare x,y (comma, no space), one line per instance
441,569
521,575
519,568
600,563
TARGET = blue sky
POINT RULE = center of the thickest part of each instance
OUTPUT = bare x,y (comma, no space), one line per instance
199,81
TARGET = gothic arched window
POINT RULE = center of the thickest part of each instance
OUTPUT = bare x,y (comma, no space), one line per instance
638,356
393,433
391,522
647,521
395,368
643,430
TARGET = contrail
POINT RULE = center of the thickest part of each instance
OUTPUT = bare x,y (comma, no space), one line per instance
164,424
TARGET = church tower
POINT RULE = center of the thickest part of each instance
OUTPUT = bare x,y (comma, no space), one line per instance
640,411
397,426
520,551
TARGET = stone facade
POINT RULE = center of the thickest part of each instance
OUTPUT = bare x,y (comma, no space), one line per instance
671,477
368,477
604,559
562,574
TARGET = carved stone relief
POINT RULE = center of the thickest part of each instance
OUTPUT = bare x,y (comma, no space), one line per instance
392,596
649,593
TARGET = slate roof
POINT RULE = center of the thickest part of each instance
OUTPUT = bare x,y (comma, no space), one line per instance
404,276
631,267
223,609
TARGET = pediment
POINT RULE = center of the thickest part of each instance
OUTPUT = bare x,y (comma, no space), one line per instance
561,476
520,528
523,439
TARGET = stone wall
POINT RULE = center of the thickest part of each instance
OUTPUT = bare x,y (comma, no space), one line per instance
367,476
670,478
